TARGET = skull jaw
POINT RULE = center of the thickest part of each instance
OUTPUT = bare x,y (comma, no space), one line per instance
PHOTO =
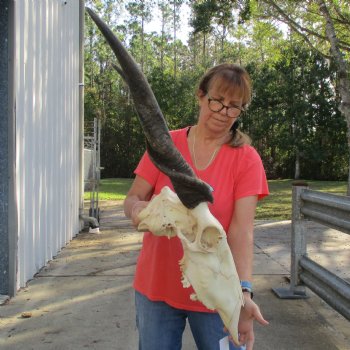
207,263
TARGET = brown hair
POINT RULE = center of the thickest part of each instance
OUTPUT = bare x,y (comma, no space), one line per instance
231,77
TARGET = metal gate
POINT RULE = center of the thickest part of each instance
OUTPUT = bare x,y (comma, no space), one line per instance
332,211
92,141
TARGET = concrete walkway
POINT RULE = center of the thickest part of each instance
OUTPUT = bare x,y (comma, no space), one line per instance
83,299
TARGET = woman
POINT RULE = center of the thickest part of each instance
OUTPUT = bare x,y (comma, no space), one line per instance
221,156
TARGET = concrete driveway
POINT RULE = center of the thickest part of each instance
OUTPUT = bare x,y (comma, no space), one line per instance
83,299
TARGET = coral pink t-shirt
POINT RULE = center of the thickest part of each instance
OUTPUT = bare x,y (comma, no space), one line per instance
234,173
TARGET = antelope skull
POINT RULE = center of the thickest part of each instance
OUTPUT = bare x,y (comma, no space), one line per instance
207,263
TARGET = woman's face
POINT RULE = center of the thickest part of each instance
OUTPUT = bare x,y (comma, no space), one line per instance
216,120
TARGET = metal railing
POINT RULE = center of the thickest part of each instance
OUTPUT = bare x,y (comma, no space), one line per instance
332,211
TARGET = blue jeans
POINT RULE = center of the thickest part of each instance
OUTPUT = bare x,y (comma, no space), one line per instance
161,326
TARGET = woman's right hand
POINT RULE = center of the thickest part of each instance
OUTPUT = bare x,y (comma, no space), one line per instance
137,199
135,210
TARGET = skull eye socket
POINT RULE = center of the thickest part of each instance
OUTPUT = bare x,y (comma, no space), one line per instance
210,238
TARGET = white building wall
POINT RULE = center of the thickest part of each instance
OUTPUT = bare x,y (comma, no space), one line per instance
47,132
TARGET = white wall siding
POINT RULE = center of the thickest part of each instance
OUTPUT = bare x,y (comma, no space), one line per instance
47,130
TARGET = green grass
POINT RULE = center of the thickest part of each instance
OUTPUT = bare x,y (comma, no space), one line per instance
112,189
277,206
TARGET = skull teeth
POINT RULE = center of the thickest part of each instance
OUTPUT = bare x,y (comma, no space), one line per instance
193,297
185,282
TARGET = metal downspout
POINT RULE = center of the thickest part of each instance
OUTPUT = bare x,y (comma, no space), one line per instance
93,223
12,203
9,213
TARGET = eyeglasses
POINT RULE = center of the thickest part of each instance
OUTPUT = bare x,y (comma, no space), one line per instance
217,106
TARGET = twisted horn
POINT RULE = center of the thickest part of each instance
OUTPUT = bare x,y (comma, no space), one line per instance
160,146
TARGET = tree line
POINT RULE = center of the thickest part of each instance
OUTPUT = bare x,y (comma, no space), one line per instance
294,119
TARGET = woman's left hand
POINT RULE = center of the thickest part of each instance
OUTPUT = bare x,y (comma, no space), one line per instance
249,313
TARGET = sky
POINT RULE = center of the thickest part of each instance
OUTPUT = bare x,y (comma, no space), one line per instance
182,31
